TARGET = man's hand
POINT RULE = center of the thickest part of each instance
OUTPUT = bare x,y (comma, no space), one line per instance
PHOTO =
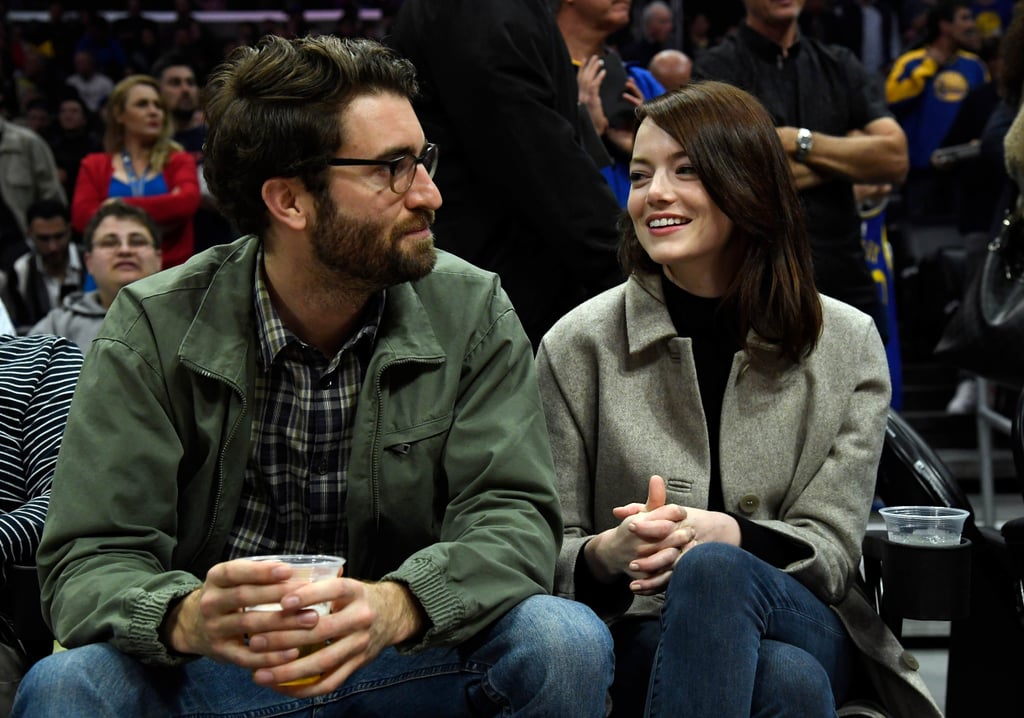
365,619
589,77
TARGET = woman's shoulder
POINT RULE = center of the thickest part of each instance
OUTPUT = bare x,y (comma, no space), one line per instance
844,327
589,318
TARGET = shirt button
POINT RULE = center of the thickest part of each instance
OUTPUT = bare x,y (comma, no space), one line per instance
322,467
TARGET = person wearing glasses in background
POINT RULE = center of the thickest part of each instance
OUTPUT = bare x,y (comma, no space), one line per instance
122,244
330,383
40,279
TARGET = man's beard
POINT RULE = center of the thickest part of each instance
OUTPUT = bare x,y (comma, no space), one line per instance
183,116
364,251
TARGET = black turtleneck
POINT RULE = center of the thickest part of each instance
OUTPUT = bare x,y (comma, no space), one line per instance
713,337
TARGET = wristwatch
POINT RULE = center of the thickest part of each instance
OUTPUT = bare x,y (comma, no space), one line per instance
804,143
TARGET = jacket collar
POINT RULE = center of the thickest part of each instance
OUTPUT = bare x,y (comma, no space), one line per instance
221,339
647,319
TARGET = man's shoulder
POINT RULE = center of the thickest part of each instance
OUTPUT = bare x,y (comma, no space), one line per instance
454,276
194,276
723,55
21,354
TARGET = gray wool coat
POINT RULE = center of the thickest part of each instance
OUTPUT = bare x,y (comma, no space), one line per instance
799,448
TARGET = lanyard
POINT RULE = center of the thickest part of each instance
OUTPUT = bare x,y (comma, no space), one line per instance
136,184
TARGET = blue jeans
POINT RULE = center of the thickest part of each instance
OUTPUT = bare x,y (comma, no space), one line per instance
546,657
741,638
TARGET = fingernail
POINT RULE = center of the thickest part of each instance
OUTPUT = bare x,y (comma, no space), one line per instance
634,567
290,602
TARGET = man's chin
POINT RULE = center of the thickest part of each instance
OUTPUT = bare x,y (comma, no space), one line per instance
422,258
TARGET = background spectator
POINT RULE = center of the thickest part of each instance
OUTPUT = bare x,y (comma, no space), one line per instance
587,29
503,86
122,244
143,165
655,34
925,90
671,68
179,89
27,173
73,137
93,86
53,269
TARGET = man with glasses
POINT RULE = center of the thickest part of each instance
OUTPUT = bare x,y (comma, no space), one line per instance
40,279
122,244
328,384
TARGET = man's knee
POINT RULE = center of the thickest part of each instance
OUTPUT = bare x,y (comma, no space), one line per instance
560,627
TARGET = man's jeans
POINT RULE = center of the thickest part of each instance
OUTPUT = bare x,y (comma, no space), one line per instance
742,638
546,657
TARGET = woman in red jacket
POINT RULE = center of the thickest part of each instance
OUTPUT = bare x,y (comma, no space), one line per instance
143,166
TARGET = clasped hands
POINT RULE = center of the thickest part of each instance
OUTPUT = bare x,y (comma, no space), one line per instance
651,538
365,618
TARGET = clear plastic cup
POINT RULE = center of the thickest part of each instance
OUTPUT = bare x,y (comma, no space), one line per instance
309,568
924,525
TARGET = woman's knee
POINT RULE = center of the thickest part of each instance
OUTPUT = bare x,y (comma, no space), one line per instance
791,680
712,565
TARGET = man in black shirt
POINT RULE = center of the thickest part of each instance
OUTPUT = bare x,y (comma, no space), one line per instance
833,122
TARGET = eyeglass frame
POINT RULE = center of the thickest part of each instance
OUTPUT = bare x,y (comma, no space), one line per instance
130,242
392,165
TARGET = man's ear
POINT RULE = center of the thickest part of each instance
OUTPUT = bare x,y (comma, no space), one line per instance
288,202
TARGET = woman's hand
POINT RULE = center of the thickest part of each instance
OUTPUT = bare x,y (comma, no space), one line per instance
645,545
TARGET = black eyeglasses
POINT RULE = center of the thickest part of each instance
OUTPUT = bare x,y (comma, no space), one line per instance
402,169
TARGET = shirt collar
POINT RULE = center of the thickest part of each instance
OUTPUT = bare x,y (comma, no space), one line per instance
764,47
273,337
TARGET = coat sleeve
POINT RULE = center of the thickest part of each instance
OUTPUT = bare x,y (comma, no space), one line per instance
501,528
106,550
571,412
49,385
91,188
829,502
45,168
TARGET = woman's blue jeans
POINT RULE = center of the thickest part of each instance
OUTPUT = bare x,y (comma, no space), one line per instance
545,657
741,638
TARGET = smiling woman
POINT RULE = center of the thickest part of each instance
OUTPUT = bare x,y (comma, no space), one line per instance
143,166
747,452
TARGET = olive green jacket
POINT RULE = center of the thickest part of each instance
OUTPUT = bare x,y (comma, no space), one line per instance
450,486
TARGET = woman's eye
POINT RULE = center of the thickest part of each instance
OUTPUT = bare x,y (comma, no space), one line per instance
686,170
635,177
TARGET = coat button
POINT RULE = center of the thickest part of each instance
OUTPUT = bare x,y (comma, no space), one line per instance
909,660
749,503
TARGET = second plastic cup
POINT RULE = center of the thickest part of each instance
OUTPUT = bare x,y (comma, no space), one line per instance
924,525
309,568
